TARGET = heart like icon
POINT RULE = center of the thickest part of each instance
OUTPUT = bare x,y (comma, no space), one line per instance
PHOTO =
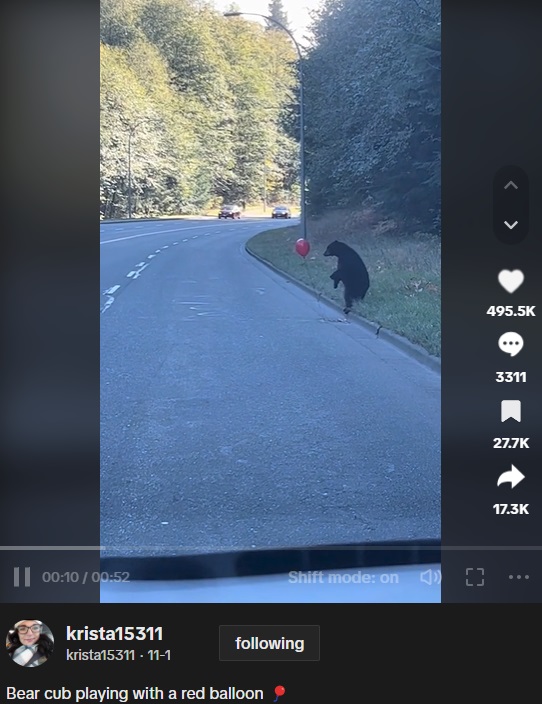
511,280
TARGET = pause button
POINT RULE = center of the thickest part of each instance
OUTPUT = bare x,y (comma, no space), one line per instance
17,577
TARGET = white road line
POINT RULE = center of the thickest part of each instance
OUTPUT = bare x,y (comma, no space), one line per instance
112,290
138,272
107,304
157,251
161,232
194,237
175,243
166,246
185,240
151,256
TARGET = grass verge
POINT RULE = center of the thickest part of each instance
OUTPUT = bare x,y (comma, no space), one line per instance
404,271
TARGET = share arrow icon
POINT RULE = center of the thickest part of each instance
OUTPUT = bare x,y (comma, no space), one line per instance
512,476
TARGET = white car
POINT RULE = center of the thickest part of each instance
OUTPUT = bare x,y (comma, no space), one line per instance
281,211
229,211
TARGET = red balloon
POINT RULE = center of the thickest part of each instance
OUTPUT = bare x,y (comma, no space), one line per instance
302,247
279,689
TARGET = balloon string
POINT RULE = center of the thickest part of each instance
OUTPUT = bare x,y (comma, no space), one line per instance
318,293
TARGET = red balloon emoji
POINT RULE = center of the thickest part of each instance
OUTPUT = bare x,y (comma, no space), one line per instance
279,691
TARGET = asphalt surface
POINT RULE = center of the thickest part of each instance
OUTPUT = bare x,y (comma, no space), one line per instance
237,411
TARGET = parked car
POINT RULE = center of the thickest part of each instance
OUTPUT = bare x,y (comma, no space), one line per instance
281,211
229,211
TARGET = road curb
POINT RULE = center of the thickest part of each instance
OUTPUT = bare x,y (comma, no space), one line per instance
410,348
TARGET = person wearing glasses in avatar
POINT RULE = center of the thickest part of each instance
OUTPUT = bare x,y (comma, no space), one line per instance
28,644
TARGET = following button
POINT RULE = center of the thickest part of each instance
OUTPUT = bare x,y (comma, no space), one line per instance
276,643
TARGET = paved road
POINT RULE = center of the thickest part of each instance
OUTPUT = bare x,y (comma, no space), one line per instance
237,411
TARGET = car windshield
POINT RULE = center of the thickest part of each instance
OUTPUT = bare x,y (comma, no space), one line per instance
270,379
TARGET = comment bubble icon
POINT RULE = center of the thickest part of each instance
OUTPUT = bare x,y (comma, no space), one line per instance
511,343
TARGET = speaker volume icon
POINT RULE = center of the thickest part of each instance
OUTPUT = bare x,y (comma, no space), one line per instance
431,577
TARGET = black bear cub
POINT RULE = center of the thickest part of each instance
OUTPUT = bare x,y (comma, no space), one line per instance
351,271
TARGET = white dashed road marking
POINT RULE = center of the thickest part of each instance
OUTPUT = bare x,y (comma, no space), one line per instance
142,265
161,232
107,304
138,272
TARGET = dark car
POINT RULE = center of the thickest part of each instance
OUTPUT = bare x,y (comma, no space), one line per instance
229,211
281,211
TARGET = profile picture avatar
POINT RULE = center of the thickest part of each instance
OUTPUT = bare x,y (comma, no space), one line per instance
30,643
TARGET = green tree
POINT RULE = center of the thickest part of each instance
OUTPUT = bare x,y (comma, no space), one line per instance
186,94
118,21
278,13
374,131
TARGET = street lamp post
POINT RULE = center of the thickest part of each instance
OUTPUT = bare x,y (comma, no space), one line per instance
264,186
301,111
130,173
131,131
